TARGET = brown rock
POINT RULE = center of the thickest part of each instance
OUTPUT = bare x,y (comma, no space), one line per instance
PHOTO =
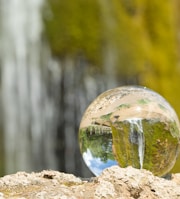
114,182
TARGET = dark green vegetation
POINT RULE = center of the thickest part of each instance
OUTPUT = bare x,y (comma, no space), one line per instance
97,141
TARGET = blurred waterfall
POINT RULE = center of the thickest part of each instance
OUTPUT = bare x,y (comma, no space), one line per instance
42,100
28,110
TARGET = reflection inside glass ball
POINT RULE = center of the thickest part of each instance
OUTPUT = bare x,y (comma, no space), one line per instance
130,126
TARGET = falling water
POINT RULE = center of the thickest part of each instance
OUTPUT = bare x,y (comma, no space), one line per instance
137,137
42,100
28,110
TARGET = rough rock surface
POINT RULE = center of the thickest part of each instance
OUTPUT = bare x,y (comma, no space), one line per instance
114,182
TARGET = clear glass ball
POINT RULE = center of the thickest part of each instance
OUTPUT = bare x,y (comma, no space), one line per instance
130,126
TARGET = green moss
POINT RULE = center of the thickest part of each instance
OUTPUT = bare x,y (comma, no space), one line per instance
143,101
74,28
141,34
124,106
159,22
160,146
126,153
106,117
125,38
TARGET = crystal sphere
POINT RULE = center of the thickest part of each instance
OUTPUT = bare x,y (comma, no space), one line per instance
130,126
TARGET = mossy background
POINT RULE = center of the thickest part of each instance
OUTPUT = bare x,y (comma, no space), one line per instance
142,36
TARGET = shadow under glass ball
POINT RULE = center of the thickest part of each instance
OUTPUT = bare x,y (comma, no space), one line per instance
130,126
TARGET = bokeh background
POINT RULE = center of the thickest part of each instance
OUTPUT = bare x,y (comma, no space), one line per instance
56,56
